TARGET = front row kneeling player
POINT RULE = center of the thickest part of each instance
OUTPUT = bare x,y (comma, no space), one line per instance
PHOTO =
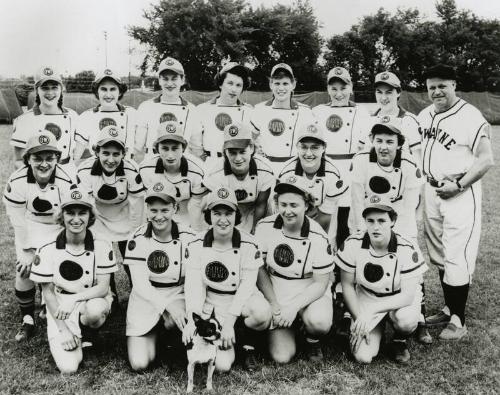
380,278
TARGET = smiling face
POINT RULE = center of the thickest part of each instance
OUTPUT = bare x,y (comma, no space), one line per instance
171,83
292,208
441,92
339,92
160,214
387,96
110,156
239,159
43,164
386,146
171,153
231,89
282,88
76,218
223,220
379,226
310,153
49,93
108,93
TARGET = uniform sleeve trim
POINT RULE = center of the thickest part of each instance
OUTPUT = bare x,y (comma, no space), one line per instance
131,258
412,269
323,267
83,138
41,274
106,266
13,201
344,262
139,190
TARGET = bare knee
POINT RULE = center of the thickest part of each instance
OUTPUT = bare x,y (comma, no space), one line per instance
223,365
405,325
95,313
317,325
139,363
68,366
282,356
363,357
258,316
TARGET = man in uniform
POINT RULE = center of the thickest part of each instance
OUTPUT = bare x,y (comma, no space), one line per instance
456,154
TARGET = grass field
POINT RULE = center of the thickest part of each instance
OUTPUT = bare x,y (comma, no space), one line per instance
470,366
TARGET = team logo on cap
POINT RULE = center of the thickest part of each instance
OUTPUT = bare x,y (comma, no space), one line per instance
312,129
233,130
76,195
170,128
222,120
386,119
169,61
375,199
44,140
158,187
334,123
168,116
292,179
108,72
54,129
384,76
338,71
113,132
276,127
223,193
48,71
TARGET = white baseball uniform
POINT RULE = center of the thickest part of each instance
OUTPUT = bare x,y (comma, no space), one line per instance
163,274
452,226
260,178
72,271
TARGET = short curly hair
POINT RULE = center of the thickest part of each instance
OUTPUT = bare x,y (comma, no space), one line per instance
240,71
308,199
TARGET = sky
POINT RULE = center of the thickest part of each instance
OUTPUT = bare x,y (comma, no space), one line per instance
69,34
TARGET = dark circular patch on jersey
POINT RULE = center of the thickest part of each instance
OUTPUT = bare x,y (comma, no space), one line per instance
216,272
373,273
339,184
110,255
54,129
138,179
241,194
419,173
158,262
41,205
222,120
276,127
414,257
106,122
131,245
379,184
70,271
36,260
9,189
107,192
168,116
334,123
283,255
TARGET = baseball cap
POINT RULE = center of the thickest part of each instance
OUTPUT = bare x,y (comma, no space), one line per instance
237,135
110,133
163,191
385,126
442,71
107,73
170,130
291,183
282,66
170,64
76,197
377,202
311,130
388,78
339,73
222,196
44,141
47,73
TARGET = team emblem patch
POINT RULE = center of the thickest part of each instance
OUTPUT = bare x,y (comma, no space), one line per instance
276,127
36,260
186,254
106,122
386,119
108,72
257,254
223,193
339,184
44,140
334,123
107,192
283,255
216,272
170,128
70,271
312,129
222,120
76,195
169,61
414,257
110,255
113,132
54,129
48,71
158,187
338,71
375,199
41,205
233,130
131,245
373,273
329,249
158,262
241,194
418,173
167,116
379,185
291,180
384,76
138,179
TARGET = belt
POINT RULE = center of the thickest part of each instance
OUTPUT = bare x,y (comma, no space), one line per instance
275,273
278,158
380,294
218,291
64,161
434,183
165,285
340,156
218,154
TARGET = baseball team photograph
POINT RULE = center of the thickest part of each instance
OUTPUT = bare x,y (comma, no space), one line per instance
250,197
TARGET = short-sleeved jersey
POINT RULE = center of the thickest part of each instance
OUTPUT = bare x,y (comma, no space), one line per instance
294,258
212,118
73,271
326,186
380,275
450,139
90,122
221,270
346,127
112,194
41,204
164,261
151,113
278,128
63,126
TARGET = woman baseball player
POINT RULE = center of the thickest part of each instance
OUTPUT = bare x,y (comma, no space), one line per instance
296,278
117,189
155,256
241,170
49,114
109,90
324,180
169,106
32,197
74,271
221,274
389,170
182,170
380,275
213,116
277,120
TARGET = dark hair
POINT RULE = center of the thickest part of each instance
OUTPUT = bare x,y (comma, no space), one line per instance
442,71
240,71
401,138
59,102
60,220
208,220
110,143
153,199
156,144
393,215
308,200
399,90
281,73
122,88
26,157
